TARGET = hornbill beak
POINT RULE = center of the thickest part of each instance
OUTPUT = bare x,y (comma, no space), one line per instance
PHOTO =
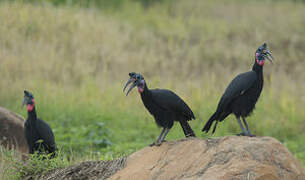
131,80
23,103
269,56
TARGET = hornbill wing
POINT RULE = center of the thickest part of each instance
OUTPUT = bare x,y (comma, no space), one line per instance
169,101
46,134
238,86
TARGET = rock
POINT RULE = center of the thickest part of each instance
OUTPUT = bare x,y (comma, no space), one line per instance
12,131
225,158
233,157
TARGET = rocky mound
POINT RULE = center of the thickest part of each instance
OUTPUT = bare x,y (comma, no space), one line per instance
224,158
261,158
12,131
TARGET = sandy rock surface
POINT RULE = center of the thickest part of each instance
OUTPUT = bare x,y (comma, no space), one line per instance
225,158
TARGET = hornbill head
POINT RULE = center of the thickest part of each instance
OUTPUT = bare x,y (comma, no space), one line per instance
28,100
261,53
136,80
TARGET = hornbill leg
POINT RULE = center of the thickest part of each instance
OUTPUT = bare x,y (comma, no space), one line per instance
244,133
158,143
162,132
155,143
248,130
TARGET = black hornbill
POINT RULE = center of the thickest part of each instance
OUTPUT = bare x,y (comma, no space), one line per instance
165,106
242,93
39,135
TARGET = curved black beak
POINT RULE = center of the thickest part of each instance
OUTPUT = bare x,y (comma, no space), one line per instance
23,103
128,82
131,80
269,56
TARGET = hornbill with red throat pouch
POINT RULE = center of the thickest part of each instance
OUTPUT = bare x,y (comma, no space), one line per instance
242,94
165,106
38,133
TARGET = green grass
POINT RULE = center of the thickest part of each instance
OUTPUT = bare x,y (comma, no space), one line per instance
76,61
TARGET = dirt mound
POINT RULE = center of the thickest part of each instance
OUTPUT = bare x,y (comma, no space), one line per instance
87,170
12,131
233,157
259,158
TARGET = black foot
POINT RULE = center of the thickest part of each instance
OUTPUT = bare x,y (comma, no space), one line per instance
245,134
190,135
156,143
152,144
241,134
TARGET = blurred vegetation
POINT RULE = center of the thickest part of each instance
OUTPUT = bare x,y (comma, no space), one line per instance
34,166
101,4
76,59
116,5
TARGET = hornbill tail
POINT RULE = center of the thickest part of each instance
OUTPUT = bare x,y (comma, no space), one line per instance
188,131
208,125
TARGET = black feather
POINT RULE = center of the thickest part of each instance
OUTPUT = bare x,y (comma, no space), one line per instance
167,107
38,134
239,97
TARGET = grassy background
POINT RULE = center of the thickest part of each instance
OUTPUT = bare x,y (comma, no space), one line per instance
76,59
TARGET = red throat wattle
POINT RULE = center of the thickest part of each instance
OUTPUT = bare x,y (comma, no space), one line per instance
140,90
260,62
30,107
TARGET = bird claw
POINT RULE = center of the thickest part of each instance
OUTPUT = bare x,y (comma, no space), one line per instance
158,143
190,135
152,144
241,134
245,134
